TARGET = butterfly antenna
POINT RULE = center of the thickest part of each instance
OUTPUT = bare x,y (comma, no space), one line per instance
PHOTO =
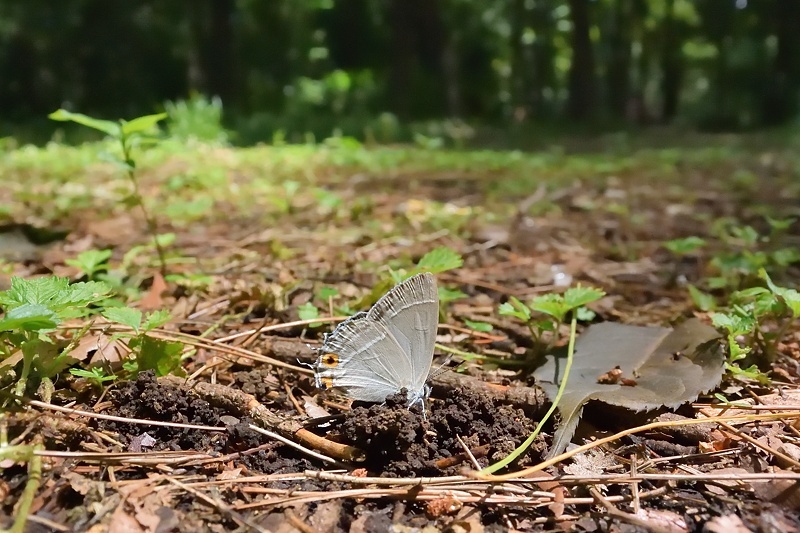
441,370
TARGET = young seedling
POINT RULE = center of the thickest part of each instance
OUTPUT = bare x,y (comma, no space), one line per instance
754,322
91,263
553,310
130,135
33,309
163,357
558,308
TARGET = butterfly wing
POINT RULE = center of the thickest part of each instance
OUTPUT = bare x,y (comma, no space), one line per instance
362,359
410,311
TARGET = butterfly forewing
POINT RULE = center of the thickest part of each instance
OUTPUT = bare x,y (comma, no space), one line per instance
410,311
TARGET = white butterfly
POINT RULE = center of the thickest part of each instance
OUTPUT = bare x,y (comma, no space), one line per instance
375,354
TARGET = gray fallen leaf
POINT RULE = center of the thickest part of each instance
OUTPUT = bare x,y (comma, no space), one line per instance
665,367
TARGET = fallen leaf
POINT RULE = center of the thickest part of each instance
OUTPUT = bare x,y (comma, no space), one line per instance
229,474
122,522
726,524
671,367
663,520
152,300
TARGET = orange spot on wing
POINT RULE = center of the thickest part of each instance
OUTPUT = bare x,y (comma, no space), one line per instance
330,360
327,382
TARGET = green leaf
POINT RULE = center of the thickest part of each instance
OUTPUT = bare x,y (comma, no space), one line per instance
449,295
780,224
142,124
440,260
576,297
56,293
514,307
29,317
752,372
90,261
702,300
127,316
106,126
545,324
326,293
161,356
790,296
478,326
156,319
734,324
307,311
684,246
96,375
786,256
584,314
550,304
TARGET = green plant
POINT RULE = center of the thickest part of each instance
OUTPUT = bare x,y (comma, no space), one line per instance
552,311
130,135
198,118
436,261
685,246
747,252
33,310
91,262
754,322
150,353
309,311
96,376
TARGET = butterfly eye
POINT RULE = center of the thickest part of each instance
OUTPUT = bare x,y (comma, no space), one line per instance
330,360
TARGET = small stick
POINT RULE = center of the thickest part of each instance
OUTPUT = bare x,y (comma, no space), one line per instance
241,402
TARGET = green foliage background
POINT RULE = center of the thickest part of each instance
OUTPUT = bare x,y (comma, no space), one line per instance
388,70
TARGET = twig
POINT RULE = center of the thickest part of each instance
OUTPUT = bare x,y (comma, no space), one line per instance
299,524
631,431
296,446
218,505
626,517
242,402
124,420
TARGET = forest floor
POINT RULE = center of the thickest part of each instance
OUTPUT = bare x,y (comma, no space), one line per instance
266,248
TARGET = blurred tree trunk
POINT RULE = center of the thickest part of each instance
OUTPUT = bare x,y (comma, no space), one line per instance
544,55
780,97
671,64
580,104
401,22
442,50
211,64
419,38
521,64
619,68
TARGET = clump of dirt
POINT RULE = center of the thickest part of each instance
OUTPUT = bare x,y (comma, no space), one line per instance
151,399
147,398
400,442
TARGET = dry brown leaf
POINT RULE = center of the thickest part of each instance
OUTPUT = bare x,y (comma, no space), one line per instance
229,474
671,367
557,507
726,524
469,524
122,522
783,492
153,300
665,520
